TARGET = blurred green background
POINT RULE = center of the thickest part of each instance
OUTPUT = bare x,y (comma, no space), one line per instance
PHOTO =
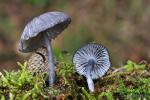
123,26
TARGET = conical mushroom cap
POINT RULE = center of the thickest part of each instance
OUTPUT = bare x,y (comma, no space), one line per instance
95,52
52,23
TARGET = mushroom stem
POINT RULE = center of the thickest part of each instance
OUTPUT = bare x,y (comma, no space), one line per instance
88,75
50,60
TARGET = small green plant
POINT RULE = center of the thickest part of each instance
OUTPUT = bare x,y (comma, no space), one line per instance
86,95
131,66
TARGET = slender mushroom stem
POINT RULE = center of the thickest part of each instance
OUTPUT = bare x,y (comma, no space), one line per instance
50,60
88,75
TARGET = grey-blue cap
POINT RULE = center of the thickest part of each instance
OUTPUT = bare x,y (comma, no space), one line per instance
52,22
92,61
95,52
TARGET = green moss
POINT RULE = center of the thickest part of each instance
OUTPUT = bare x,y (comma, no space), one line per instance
126,84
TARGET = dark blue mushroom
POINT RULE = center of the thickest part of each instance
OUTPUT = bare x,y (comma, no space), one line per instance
92,61
40,31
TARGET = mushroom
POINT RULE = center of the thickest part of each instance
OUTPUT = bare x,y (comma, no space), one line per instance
40,31
91,61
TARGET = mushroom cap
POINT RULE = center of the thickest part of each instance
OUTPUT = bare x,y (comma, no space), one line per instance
52,23
95,52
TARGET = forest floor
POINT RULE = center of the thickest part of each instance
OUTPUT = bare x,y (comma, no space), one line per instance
132,81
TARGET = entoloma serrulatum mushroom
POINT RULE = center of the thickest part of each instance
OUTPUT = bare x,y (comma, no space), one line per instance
92,61
40,31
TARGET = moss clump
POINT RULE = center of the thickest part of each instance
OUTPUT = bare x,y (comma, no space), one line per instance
133,82
21,85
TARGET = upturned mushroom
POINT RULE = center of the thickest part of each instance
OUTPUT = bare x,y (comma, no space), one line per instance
92,61
40,31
